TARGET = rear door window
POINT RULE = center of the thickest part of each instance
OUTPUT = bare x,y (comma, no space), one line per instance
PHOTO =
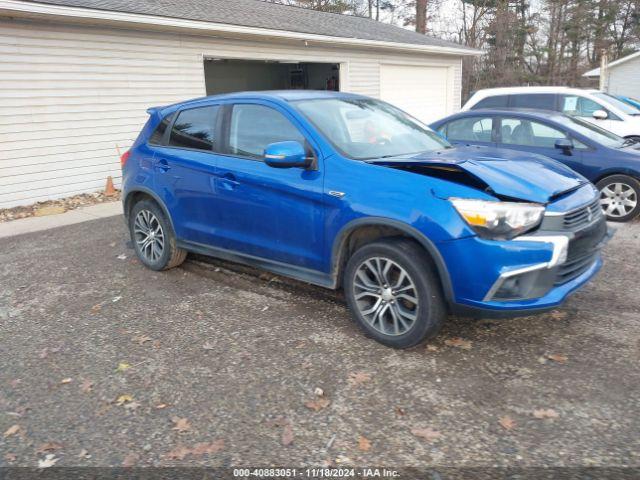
528,133
254,127
475,129
498,101
541,101
195,129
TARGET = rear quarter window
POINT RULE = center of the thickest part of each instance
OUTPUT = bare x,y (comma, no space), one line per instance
157,137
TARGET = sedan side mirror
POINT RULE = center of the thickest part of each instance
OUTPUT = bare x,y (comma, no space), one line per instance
565,145
600,115
286,155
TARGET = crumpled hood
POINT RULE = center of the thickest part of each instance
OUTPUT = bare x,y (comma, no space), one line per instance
508,173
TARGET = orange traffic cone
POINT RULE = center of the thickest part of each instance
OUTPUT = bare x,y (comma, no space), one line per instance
110,190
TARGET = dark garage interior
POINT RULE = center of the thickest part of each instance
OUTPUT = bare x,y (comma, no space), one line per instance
226,75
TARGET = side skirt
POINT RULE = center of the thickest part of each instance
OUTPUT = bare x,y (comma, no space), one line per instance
313,277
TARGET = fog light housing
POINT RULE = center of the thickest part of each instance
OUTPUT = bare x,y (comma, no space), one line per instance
523,285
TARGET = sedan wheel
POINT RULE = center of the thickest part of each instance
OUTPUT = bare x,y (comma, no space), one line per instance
618,200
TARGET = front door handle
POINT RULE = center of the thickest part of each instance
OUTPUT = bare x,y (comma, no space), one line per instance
227,182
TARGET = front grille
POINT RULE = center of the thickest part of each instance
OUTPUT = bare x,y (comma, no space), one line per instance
584,216
575,267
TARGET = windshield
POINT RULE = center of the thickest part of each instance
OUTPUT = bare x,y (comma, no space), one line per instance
595,133
619,104
363,128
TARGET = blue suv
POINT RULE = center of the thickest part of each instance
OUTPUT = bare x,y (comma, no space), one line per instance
345,191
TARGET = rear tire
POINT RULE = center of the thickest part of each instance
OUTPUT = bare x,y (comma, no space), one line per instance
153,238
394,294
619,197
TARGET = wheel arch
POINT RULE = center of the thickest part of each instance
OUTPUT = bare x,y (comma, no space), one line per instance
133,196
618,171
365,230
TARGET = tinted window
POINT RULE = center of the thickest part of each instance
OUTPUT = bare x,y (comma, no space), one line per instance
254,127
158,135
515,131
579,106
499,101
542,101
476,129
194,128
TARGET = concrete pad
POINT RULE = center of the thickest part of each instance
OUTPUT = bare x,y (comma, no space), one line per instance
82,214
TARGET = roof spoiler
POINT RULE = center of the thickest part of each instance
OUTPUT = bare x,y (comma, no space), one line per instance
153,110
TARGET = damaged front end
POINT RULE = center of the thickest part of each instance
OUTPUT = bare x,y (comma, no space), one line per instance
537,238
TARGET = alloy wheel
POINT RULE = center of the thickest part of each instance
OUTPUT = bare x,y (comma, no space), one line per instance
618,199
386,296
149,235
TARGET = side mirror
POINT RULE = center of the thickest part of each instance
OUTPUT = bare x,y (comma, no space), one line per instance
565,145
286,155
600,115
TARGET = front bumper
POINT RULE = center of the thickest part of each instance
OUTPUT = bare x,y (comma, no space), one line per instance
524,275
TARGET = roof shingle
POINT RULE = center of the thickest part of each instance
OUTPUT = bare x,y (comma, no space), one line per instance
262,14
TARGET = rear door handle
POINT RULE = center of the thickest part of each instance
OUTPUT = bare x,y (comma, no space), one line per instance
162,165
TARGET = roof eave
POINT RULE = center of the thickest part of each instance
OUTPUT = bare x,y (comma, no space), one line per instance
29,9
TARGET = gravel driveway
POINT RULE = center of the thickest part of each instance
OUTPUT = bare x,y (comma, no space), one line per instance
106,363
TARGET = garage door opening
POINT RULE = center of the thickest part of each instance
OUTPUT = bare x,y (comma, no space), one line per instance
226,76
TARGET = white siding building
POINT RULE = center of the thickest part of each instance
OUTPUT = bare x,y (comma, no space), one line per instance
77,76
622,76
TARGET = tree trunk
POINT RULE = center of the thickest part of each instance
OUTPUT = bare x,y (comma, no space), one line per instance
421,16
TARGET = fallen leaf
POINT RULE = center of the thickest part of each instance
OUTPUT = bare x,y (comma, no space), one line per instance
545,413
10,457
132,406
358,378
507,422
122,399
559,315
87,386
181,424
84,454
400,411
364,445
122,257
49,461
12,430
557,357
458,342
64,381
287,435
141,339
96,308
178,453
432,348
123,367
160,406
48,447
49,210
427,433
207,448
317,404
318,392
130,460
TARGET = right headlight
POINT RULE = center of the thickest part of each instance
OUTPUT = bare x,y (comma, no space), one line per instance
499,220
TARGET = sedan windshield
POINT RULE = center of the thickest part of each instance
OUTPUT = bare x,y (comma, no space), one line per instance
611,100
594,133
365,128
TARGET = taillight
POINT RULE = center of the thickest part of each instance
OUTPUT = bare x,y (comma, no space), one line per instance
124,158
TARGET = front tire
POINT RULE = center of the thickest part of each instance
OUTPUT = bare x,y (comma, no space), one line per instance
394,294
153,238
619,197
